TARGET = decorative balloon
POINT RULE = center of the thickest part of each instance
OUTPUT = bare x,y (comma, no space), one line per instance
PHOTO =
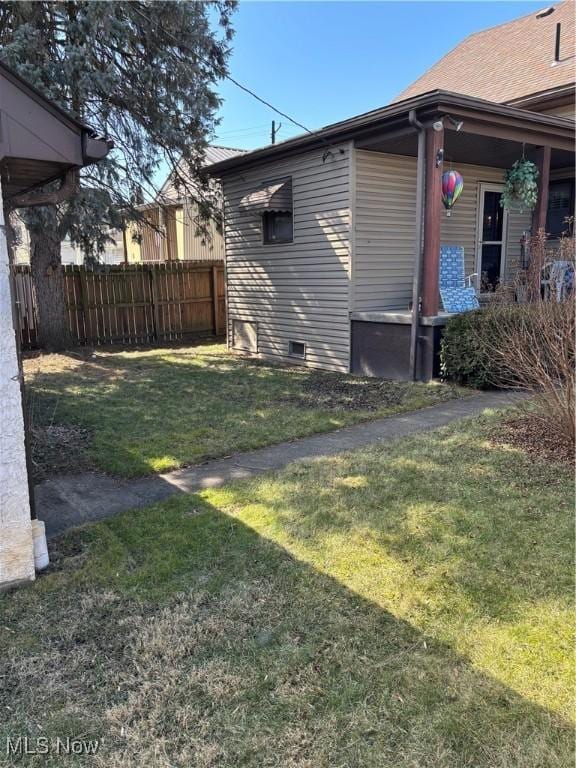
452,186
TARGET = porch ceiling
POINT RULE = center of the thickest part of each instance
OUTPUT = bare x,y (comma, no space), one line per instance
472,149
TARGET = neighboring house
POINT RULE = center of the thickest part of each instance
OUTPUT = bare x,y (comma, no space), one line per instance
70,254
39,142
171,232
323,231
170,235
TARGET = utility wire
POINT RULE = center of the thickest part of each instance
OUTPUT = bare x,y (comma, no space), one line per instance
267,103
279,111
242,87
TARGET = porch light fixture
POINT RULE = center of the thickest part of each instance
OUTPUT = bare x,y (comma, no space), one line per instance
457,124
438,125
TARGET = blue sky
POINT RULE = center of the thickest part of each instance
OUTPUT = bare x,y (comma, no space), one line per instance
324,61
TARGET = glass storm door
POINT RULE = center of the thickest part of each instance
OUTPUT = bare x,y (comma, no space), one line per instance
491,251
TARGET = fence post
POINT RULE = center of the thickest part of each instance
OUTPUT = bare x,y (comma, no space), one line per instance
215,298
85,309
154,296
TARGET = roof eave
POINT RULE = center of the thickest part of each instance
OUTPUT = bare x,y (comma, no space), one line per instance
562,94
392,115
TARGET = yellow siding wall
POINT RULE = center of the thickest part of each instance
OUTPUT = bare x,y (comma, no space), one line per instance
133,251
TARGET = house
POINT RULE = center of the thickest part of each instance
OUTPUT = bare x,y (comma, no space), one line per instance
333,238
169,232
69,253
527,63
39,142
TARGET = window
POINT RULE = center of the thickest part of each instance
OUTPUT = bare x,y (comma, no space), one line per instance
296,349
271,203
560,206
277,227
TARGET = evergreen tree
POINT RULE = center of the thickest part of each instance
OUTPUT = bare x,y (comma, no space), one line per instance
141,73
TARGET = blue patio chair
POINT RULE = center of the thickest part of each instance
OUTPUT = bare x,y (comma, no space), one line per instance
455,294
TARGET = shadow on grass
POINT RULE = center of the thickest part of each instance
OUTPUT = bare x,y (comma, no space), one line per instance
179,636
479,522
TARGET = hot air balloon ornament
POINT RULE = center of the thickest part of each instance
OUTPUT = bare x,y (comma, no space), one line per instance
452,186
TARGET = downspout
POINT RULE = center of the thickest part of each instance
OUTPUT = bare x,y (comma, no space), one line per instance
420,179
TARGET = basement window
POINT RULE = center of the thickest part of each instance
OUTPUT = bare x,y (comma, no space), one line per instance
297,349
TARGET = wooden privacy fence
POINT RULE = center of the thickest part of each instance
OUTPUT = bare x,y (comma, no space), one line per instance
133,303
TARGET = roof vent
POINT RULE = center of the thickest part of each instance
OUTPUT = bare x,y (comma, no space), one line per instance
557,44
545,12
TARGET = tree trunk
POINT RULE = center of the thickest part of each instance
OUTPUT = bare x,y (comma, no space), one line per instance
48,277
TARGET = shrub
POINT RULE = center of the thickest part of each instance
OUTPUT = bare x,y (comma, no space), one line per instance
465,354
526,346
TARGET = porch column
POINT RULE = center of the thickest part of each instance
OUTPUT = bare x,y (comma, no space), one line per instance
542,161
432,223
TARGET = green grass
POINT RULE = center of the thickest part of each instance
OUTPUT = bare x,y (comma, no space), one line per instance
155,410
408,606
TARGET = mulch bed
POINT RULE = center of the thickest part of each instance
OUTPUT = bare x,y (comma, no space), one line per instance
537,438
59,450
349,394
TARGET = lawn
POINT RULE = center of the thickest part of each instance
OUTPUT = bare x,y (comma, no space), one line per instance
131,413
403,606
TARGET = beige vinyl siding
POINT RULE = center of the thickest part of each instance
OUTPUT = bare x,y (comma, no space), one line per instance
384,222
461,227
566,110
295,291
561,173
179,214
384,227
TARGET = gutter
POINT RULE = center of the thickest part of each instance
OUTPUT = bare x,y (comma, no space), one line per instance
420,182
431,103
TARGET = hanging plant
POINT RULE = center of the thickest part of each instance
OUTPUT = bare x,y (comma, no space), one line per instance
520,186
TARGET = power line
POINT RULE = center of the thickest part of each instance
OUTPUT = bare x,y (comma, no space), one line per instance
278,111
233,135
267,103
242,87
250,129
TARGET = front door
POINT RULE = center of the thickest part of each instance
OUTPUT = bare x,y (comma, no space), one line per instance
491,237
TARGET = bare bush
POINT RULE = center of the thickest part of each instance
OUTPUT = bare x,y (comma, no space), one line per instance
534,349
533,344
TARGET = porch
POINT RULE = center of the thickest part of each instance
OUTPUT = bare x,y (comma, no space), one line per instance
399,221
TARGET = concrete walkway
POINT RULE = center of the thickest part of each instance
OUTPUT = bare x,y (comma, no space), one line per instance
71,500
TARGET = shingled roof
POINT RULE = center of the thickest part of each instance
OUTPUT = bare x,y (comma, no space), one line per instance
509,61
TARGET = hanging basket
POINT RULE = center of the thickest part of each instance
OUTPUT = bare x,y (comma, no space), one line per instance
520,186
